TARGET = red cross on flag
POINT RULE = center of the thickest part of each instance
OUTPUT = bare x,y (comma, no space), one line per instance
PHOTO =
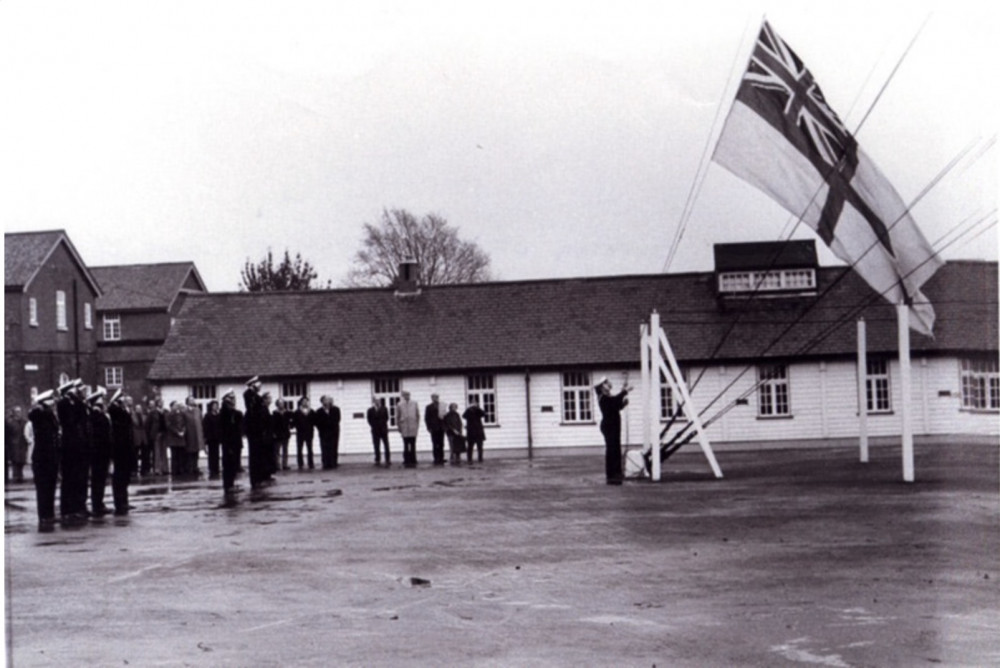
783,138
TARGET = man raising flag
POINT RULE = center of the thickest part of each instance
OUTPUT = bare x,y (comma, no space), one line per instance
782,137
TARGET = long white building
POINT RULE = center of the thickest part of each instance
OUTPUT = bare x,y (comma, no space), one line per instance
767,340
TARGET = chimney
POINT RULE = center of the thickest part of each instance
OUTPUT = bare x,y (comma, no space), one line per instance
408,281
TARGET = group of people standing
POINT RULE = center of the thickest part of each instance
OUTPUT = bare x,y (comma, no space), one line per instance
77,439
441,421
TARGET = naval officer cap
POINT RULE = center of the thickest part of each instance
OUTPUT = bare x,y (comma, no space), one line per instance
69,385
600,382
230,393
46,397
97,396
117,396
253,381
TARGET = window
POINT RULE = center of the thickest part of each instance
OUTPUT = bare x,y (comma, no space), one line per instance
877,386
33,312
292,392
576,397
667,403
112,327
980,384
772,391
483,389
203,395
61,322
387,389
764,281
114,376
88,316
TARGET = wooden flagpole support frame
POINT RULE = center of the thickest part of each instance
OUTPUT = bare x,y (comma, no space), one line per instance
657,358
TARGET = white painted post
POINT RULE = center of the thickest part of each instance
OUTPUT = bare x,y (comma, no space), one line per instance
903,321
862,390
644,385
653,398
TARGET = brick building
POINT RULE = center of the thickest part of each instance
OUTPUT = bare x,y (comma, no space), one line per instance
49,315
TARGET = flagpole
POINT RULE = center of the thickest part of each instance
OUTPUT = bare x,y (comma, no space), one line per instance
862,391
903,321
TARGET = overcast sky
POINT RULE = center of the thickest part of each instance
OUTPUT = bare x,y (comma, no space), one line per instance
564,138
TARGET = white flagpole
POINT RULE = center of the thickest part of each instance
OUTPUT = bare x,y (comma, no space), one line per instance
862,391
903,321
654,392
646,389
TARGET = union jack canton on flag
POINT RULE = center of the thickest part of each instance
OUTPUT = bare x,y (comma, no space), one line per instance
782,137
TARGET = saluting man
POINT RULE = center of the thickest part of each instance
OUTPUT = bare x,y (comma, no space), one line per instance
611,427
231,435
256,424
122,451
45,458
100,454
75,452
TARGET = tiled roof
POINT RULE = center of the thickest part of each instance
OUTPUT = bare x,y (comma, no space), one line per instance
141,286
765,255
25,252
550,323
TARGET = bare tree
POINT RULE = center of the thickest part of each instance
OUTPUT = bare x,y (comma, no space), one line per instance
430,241
290,274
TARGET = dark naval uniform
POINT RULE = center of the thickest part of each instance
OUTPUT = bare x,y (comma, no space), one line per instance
75,457
122,455
45,462
611,427
257,426
231,435
100,459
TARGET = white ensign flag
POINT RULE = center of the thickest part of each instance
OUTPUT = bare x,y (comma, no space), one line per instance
782,137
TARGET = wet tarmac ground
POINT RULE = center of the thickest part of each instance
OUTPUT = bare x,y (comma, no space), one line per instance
797,557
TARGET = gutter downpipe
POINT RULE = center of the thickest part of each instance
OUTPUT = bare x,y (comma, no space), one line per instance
527,406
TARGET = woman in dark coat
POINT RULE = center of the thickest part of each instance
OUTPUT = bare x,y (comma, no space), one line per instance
474,432
15,444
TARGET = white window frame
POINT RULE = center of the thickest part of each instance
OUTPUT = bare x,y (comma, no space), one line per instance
112,326
62,322
767,281
388,388
577,397
980,384
292,391
878,391
33,311
204,394
88,315
483,388
667,403
114,376
774,395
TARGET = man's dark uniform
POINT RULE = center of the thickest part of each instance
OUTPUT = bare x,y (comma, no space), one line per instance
434,424
122,454
75,456
378,422
304,430
257,426
45,462
328,427
213,439
231,435
611,426
100,459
